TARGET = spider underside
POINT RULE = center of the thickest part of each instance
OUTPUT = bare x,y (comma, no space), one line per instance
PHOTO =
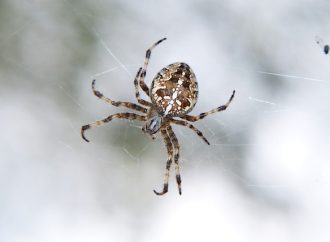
173,93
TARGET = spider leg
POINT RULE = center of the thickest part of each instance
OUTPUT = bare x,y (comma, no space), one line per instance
176,145
146,62
118,104
192,127
203,115
137,93
169,147
130,116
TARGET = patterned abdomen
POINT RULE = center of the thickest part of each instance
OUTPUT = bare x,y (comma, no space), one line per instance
174,90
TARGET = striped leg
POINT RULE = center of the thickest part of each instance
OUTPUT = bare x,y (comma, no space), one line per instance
169,147
192,127
117,104
203,115
137,93
176,146
144,70
130,116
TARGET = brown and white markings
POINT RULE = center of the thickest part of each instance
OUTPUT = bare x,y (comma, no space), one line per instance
175,90
173,94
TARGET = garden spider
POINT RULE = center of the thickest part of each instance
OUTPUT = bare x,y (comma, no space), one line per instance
173,93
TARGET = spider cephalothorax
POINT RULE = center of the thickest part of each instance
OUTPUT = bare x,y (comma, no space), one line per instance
173,93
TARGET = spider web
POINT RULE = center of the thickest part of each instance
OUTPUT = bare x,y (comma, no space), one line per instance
269,148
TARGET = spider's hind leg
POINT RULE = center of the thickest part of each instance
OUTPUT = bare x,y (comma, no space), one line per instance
137,93
143,71
203,115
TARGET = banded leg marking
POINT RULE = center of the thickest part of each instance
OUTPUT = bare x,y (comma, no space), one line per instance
118,104
129,116
192,127
203,115
176,146
143,85
169,147
137,93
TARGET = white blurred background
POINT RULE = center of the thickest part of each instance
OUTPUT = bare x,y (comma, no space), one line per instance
266,175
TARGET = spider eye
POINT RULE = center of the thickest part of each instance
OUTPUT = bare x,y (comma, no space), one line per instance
153,125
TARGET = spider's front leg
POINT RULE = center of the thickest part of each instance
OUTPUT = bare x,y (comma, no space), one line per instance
192,127
129,116
176,146
203,115
169,147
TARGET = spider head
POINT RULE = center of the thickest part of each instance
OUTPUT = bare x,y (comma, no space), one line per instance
152,125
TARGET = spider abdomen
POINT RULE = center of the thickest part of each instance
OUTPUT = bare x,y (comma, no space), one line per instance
174,90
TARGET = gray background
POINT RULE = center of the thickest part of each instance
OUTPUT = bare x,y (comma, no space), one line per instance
265,176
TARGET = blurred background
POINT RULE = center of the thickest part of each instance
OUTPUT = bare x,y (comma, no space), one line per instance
266,175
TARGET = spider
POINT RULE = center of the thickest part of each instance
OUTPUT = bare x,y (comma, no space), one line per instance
173,94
